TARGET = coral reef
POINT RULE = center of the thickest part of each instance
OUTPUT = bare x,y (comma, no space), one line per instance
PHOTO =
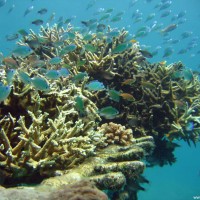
90,104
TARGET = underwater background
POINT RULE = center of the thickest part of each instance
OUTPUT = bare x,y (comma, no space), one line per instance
181,180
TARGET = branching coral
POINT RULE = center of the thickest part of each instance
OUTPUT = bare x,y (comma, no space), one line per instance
42,131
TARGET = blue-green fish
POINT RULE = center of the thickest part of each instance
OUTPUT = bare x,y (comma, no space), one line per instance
90,47
24,77
52,74
81,62
108,112
104,17
2,2
80,76
23,32
37,22
42,11
68,35
55,61
9,75
67,49
4,92
113,33
116,19
11,8
114,95
1,57
40,84
121,47
95,85
22,51
187,74
189,126
79,104
88,37
168,52
28,10
11,37
38,63
64,72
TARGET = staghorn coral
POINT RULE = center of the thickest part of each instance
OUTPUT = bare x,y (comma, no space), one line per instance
116,134
41,131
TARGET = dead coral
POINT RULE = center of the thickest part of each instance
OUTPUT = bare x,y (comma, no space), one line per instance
82,190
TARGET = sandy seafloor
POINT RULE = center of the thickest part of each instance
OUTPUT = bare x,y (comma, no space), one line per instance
181,181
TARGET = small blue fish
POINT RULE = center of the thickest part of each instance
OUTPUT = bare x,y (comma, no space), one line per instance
121,47
67,49
79,104
95,86
108,112
68,35
55,61
187,74
40,84
12,37
38,63
113,33
42,11
88,37
80,76
114,95
116,19
90,47
24,77
52,74
4,92
37,22
64,72
28,10
23,32
189,126
2,2
11,8
22,51
9,75
1,57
